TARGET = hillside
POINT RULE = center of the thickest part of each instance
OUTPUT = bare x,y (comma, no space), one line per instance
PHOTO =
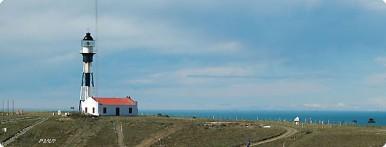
145,131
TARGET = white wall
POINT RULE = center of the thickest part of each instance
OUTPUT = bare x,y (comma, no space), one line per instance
123,110
89,103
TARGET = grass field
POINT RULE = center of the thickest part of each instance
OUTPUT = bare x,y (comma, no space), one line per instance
138,129
235,134
162,131
333,136
86,131
15,123
344,137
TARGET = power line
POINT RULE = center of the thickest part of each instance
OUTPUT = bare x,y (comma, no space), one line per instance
96,48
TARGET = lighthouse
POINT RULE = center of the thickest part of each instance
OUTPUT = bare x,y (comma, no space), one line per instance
87,51
100,106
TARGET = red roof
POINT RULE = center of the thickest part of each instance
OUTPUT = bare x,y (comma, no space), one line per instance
115,101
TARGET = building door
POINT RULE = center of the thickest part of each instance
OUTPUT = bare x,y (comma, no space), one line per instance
117,111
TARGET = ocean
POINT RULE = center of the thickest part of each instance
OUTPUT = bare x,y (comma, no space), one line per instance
331,117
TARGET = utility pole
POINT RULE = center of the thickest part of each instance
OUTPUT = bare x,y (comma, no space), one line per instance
13,106
7,106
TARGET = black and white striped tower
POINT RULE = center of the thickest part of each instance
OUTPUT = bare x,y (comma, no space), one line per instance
87,52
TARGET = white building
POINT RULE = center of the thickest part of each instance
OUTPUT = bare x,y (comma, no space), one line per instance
98,106
297,120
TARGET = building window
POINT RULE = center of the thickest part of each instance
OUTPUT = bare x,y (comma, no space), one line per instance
104,110
130,110
85,110
93,109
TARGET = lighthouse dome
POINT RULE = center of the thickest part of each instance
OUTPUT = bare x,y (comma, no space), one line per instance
88,37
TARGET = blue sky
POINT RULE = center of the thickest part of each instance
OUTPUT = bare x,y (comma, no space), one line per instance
202,54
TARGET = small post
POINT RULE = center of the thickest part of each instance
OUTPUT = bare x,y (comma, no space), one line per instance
7,107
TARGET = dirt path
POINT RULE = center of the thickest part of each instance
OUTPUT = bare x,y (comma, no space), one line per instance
22,132
119,129
289,132
159,135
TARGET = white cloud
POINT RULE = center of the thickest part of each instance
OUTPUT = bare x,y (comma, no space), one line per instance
379,102
199,75
242,94
376,103
159,36
330,106
315,106
217,71
381,60
376,79
277,88
184,85
377,5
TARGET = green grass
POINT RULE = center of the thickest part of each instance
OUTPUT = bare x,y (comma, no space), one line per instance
85,131
14,124
344,137
139,128
201,135
51,129
333,136
105,136
78,131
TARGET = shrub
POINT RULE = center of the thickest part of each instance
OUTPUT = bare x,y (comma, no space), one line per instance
371,121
